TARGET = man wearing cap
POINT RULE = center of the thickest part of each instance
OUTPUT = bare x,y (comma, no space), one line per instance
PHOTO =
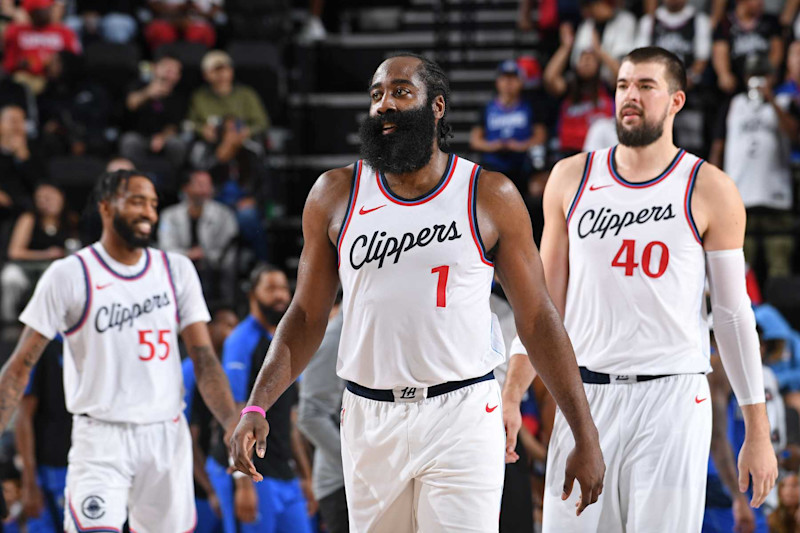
221,99
508,128
30,47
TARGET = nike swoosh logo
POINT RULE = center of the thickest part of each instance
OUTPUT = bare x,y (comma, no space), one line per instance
490,409
698,400
363,211
101,287
594,188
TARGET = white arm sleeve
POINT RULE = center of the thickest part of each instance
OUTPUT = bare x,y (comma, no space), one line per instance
735,325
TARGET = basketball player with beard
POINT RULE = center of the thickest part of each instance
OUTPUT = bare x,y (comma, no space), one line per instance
630,234
415,234
119,306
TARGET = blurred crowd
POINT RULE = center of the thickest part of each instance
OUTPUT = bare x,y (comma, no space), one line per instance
88,85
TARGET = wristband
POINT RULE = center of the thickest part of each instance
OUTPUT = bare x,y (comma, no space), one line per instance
253,409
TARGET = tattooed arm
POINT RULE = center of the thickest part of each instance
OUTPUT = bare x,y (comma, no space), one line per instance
211,380
17,371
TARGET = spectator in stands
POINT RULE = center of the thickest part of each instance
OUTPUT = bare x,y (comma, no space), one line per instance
29,48
156,110
112,21
683,30
784,519
188,20
205,231
754,133
43,430
788,92
75,110
745,32
18,169
279,498
508,129
38,238
223,98
608,31
781,347
584,96
317,418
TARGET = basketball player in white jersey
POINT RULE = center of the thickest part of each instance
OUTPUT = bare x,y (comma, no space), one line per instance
630,234
415,235
120,307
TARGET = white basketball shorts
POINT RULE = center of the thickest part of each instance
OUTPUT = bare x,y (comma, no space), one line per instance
142,472
655,437
430,466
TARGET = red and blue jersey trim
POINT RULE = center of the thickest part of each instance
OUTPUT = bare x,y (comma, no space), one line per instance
472,209
83,529
172,286
587,169
88,304
351,205
687,200
450,169
612,168
117,274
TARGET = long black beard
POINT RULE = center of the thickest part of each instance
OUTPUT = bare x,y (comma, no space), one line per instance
643,135
271,315
128,235
407,149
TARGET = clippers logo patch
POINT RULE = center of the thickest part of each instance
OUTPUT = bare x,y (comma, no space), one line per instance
93,507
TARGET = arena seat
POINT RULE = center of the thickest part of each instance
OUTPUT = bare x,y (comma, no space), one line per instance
77,176
113,65
784,294
259,65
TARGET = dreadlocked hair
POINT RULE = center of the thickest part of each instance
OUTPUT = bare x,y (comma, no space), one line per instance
109,184
436,83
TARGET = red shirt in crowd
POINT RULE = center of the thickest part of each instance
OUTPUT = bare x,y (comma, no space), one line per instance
575,118
29,49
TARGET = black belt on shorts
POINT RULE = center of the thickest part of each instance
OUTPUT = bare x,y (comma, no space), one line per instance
387,395
599,378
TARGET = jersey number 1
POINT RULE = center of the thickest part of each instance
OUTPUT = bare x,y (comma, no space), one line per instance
629,249
441,286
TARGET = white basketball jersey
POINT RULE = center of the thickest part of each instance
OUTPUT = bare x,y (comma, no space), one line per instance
635,301
416,284
121,360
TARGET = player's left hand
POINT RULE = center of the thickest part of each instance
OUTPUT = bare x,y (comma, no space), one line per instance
512,420
757,460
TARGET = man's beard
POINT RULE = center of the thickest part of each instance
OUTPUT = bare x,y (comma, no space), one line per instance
127,233
408,148
272,315
642,135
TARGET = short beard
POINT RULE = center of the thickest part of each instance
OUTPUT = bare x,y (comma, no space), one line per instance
128,235
271,315
643,135
407,149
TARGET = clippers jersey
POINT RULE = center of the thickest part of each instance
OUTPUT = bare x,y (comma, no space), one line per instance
635,297
416,284
120,327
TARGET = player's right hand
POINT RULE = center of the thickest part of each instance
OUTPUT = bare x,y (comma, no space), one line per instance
245,502
585,463
251,431
32,500
744,521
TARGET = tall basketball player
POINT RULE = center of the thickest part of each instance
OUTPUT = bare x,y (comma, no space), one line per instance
415,234
120,307
630,234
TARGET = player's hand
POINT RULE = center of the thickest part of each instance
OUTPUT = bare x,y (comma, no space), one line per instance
585,463
512,420
312,505
251,431
245,501
32,500
744,521
757,459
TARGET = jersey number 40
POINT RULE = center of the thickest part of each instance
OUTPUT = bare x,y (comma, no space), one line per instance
628,249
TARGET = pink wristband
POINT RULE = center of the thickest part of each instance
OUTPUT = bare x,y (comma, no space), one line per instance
253,409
